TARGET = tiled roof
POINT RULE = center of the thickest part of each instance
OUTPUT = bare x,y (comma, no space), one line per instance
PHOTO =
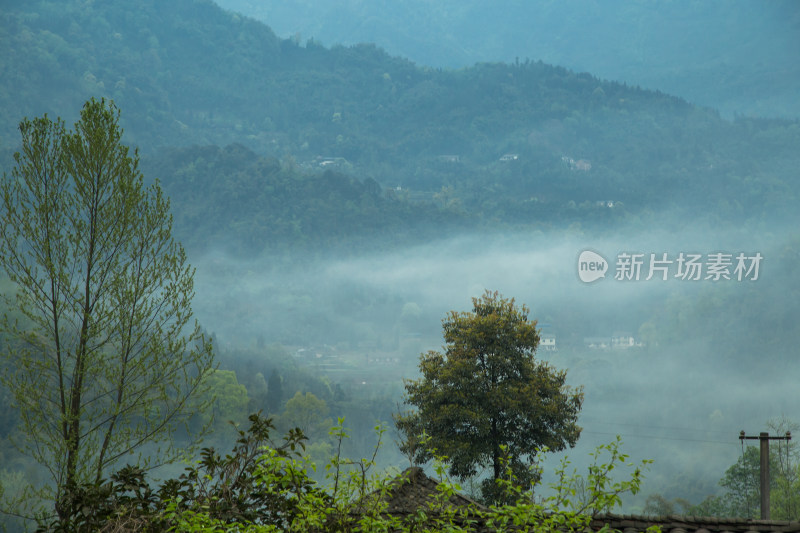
691,524
413,490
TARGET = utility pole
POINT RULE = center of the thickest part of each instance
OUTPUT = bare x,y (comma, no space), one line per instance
763,439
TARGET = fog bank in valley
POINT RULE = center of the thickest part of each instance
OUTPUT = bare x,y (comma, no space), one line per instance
681,402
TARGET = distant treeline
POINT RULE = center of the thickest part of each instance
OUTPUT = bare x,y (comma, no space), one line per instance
230,198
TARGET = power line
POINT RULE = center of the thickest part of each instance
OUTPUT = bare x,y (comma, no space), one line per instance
670,428
658,437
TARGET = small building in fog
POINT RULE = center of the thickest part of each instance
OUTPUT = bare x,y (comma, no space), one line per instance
618,341
547,342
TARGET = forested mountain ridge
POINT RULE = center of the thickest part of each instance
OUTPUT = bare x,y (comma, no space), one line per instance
166,65
232,199
738,57
188,73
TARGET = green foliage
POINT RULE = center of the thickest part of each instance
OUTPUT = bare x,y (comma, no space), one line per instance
741,498
264,486
742,484
258,482
267,205
230,401
307,413
574,500
486,393
104,358
597,492
444,36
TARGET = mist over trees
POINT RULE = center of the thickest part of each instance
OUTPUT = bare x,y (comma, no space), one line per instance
741,483
485,402
338,200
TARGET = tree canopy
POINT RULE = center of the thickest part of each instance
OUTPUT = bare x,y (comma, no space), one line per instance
485,399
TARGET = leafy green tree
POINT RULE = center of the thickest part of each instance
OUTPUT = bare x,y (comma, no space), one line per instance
230,401
486,393
742,496
785,470
227,489
742,481
105,358
308,413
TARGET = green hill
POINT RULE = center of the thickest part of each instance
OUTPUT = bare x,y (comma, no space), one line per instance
735,56
232,199
522,143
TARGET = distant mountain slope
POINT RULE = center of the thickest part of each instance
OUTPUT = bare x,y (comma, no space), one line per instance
165,63
229,198
523,142
736,56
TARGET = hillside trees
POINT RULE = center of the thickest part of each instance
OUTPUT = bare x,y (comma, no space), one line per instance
105,358
486,400
308,413
229,405
741,495
391,120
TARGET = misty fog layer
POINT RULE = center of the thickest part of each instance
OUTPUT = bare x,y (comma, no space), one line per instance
681,403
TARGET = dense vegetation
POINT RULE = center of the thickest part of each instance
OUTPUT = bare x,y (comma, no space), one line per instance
741,484
215,78
266,486
737,59
231,192
102,357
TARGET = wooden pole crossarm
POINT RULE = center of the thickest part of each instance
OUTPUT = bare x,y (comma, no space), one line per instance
764,439
787,436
